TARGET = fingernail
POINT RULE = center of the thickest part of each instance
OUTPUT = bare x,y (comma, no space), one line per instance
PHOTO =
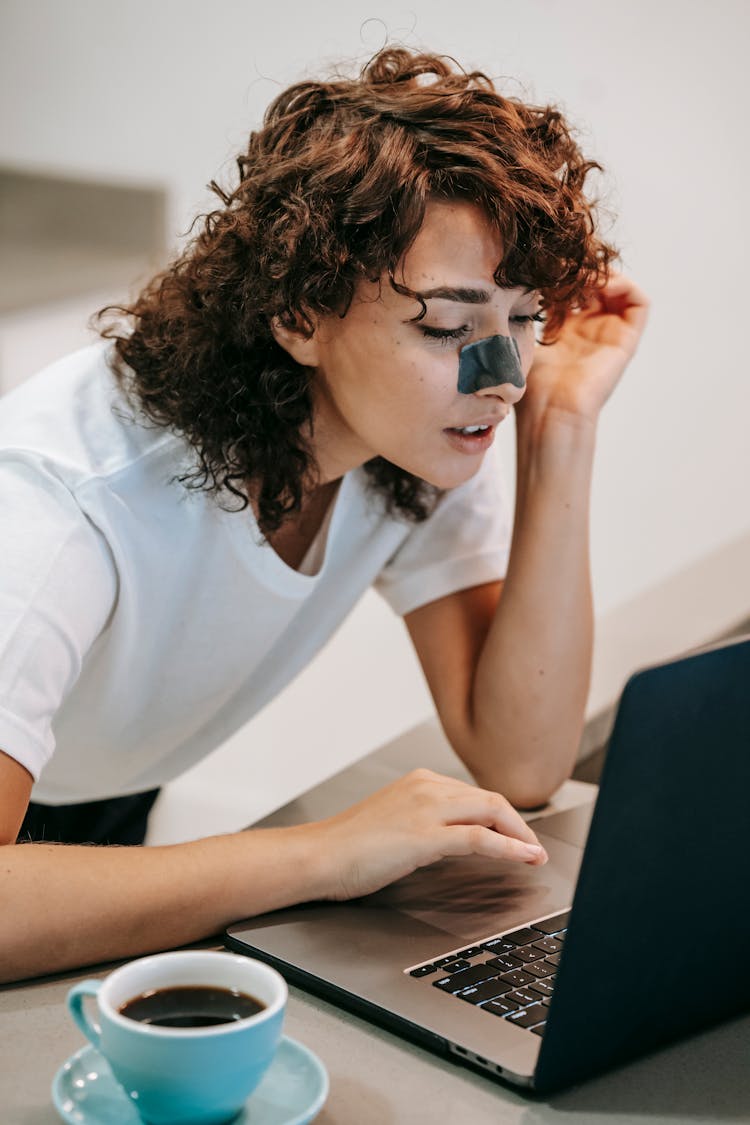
534,851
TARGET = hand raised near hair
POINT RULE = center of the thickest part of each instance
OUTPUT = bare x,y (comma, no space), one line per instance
577,374
415,821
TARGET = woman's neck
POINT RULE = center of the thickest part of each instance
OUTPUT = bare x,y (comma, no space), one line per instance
293,539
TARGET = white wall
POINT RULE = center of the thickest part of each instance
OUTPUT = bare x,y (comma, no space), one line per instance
165,90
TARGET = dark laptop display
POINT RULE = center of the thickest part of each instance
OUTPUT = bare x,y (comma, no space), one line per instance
533,992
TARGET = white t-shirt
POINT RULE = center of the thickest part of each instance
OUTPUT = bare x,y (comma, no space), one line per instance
140,624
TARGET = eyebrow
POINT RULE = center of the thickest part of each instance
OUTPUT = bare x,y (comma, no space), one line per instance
463,295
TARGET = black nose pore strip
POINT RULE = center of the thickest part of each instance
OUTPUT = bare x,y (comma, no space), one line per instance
488,363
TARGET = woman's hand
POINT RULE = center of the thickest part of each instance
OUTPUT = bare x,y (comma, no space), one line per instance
577,374
417,820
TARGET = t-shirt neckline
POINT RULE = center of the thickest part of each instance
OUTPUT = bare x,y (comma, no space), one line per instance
269,567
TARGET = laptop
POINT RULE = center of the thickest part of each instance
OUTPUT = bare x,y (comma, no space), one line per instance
543,977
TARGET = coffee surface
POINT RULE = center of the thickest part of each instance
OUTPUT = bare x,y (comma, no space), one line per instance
191,1006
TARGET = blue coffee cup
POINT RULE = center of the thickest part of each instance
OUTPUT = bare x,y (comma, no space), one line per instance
195,1075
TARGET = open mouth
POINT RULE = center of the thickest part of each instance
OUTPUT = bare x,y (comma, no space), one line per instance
468,431
471,439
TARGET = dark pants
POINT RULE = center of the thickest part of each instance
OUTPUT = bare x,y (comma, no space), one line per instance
118,820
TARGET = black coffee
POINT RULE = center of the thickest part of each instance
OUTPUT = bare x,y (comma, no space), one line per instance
191,1006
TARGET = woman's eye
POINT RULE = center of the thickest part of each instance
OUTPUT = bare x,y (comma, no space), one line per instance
445,334
528,318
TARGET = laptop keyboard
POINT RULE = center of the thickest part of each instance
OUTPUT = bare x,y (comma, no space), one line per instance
515,981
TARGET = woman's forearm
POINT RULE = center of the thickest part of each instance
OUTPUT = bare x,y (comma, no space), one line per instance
532,678
64,906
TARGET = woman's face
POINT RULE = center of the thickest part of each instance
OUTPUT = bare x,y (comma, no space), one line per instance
387,385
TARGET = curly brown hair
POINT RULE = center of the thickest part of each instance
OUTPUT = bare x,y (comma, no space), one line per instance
332,191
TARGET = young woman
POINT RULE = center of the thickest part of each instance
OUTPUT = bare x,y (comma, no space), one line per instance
300,406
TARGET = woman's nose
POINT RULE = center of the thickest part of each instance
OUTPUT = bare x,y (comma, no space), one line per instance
492,366
510,393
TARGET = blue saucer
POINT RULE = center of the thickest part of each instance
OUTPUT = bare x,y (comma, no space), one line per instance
292,1091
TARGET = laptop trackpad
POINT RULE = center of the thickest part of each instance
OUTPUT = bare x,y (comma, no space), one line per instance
471,897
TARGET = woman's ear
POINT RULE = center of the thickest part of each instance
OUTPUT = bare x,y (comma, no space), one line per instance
301,346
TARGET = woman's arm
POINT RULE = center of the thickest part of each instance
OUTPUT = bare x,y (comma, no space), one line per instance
64,906
510,674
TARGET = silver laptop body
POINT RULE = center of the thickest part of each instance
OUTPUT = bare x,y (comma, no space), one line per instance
667,845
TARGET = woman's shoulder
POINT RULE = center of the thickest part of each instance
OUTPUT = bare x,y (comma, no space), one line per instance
73,415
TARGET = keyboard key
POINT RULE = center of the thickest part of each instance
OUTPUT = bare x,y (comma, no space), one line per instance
522,937
446,960
505,963
474,950
539,968
498,1007
473,975
455,966
487,990
528,1017
548,945
553,925
522,997
423,970
542,988
518,978
539,1029
553,959
528,953
498,945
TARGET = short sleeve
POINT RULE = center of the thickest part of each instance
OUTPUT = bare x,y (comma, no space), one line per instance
465,542
57,589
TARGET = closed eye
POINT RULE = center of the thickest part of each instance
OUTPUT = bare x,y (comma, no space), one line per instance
445,334
538,317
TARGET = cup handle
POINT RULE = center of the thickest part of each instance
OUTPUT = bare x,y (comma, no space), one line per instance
75,999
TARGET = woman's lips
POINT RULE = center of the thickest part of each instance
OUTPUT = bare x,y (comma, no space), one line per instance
470,443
